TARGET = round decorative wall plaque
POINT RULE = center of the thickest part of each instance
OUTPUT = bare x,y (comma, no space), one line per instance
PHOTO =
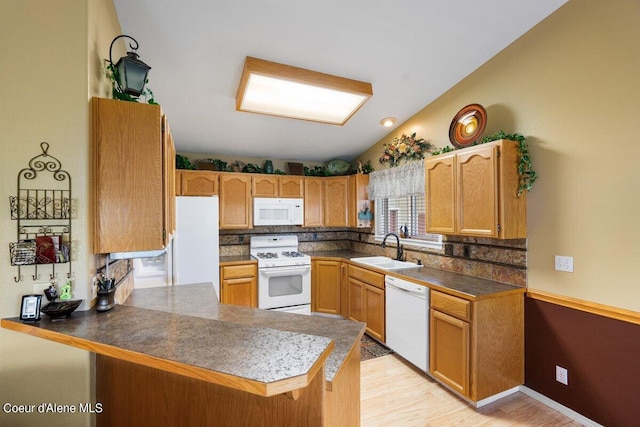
467,125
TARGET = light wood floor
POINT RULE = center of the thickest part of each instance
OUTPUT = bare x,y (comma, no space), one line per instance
395,394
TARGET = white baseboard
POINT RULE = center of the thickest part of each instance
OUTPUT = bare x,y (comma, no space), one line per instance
559,407
491,399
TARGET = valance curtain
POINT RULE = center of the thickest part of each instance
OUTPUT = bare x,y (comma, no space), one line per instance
405,180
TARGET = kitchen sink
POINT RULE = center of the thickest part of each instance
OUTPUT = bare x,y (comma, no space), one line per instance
385,263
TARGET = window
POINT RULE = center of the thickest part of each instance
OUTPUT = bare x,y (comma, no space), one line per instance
395,212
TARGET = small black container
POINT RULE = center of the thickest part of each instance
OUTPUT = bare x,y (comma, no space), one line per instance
106,300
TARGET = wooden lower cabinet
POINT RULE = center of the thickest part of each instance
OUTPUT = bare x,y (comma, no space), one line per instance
326,279
374,309
366,300
477,347
239,285
450,351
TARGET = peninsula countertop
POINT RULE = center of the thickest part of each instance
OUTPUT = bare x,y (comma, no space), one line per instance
200,301
183,329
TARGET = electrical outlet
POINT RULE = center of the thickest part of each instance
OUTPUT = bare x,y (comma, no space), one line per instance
38,288
562,375
564,263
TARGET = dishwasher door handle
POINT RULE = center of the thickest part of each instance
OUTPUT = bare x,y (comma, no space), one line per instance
405,286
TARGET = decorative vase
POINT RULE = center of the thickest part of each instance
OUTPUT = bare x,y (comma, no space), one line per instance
268,166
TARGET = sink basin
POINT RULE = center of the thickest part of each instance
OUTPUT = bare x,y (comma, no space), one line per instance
385,263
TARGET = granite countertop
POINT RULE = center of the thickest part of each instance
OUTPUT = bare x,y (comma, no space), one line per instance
184,328
237,259
200,301
469,287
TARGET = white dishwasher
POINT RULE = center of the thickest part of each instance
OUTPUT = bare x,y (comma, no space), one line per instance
407,318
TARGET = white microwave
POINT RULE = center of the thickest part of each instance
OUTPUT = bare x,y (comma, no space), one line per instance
269,211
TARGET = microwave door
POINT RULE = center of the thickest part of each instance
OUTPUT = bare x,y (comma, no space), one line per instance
273,215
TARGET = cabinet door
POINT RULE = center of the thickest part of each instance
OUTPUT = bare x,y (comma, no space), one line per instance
235,201
358,197
477,191
356,300
169,181
449,351
374,306
178,183
344,290
199,183
264,186
336,193
326,279
242,291
128,185
291,187
440,194
313,202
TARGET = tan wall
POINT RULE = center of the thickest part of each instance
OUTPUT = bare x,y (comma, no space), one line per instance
49,70
277,163
570,86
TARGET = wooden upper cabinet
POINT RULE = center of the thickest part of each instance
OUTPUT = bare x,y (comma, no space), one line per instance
277,186
169,181
291,187
198,183
129,176
440,192
313,202
336,194
264,186
473,192
178,183
235,200
477,191
358,195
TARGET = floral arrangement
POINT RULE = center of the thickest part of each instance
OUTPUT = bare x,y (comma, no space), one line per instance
405,147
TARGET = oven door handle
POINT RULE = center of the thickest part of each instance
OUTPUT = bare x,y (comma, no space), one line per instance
277,271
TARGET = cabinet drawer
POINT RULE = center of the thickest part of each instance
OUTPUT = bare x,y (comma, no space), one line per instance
454,306
367,276
238,271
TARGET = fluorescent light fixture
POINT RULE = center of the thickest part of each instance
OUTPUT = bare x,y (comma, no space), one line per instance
282,90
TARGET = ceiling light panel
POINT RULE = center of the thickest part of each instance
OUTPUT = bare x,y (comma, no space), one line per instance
282,90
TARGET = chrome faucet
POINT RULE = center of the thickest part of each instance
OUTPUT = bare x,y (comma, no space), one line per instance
400,252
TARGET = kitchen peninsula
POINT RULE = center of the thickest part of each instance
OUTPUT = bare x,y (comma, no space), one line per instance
175,356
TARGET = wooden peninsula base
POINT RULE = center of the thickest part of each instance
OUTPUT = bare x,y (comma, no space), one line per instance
133,394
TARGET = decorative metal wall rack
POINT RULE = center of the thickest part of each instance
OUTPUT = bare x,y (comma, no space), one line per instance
43,215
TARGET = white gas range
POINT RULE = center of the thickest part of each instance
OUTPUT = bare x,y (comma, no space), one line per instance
284,274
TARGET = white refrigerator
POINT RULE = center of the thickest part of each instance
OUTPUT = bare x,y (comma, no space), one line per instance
195,245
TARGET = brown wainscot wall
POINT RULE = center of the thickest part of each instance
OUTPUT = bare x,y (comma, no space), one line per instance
601,354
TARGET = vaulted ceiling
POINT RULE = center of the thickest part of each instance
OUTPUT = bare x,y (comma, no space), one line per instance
411,51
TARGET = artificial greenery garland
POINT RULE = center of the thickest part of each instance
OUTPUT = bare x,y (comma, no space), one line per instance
527,173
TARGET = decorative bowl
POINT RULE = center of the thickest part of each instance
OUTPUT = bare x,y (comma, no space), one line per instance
338,167
59,309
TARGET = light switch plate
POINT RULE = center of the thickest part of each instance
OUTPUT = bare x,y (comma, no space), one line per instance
564,263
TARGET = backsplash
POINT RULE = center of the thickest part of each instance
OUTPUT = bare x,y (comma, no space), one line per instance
499,260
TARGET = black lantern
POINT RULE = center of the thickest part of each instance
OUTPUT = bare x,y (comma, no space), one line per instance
130,72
